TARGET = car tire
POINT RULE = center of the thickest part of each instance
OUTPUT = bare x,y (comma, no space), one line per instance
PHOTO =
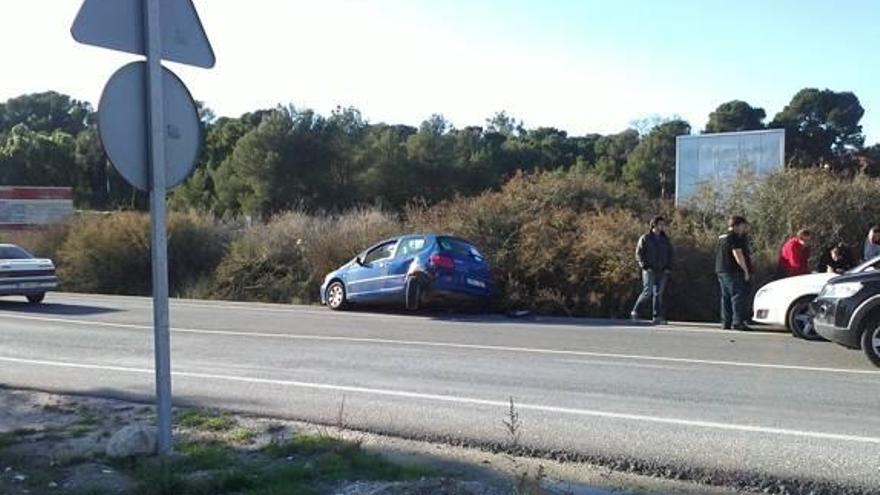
36,298
799,319
871,341
335,296
414,290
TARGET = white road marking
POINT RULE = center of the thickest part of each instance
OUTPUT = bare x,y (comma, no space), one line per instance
466,400
452,345
309,310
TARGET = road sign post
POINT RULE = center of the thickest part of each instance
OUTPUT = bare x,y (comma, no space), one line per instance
156,133
150,132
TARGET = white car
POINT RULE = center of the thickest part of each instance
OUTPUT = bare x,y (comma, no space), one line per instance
23,275
786,302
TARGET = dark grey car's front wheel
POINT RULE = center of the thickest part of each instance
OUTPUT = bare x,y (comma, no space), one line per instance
871,342
335,296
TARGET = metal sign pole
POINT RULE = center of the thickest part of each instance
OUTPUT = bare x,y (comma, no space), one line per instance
159,251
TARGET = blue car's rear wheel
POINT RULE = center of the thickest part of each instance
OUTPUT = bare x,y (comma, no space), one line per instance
335,296
414,288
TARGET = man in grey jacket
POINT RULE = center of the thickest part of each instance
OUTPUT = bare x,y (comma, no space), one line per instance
872,244
654,256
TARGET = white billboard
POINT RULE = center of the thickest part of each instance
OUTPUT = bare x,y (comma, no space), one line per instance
22,206
717,159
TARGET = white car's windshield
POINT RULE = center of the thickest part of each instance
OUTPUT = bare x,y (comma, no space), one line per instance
14,253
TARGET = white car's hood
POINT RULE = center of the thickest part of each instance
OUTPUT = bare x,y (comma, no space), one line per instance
801,284
16,265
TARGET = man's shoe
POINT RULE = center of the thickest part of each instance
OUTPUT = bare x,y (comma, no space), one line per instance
742,327
725,327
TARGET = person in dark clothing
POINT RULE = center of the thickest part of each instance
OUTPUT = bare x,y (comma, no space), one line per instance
654,255
734,269
838,259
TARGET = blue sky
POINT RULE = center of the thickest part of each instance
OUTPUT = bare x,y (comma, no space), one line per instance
583,66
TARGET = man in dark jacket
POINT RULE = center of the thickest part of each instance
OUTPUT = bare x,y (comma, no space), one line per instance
654,255
733,265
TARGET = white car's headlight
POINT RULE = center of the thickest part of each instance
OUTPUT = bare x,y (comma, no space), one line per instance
840,291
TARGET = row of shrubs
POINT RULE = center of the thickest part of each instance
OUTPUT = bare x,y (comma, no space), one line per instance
559,242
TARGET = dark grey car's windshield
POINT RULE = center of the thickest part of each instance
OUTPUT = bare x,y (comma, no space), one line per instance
871,264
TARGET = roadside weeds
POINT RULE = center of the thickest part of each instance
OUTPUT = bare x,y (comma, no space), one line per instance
52,443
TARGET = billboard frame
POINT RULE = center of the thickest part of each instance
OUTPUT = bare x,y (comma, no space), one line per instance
693,137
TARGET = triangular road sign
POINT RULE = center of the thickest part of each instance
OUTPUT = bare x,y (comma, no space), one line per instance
119,25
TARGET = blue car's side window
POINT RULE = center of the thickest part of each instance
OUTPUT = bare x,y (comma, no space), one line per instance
379,253
410,246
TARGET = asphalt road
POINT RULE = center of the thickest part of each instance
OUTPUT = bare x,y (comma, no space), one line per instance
679,395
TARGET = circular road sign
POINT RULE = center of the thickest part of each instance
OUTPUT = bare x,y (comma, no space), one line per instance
123,126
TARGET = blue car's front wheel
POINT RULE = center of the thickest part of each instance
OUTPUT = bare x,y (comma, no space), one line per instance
335,296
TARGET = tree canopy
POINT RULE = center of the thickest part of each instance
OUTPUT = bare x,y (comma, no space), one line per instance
271,160
735,115
821,126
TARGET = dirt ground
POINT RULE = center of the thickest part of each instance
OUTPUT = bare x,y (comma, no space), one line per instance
51,443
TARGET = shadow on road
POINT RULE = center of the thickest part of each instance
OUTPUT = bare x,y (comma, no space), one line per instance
495,318
54,309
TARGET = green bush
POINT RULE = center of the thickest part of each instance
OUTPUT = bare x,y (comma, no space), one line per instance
559,243
111,253
286,259
834,209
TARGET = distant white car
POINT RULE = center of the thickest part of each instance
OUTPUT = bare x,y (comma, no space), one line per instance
786,302
23,275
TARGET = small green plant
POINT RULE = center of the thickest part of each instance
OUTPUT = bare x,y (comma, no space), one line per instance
525,482
200,420
512,425
87,417
73,460
241,435
7,439
199,456
79,431
304,445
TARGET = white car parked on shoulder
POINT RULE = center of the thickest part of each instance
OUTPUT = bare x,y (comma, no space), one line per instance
786,302
21,274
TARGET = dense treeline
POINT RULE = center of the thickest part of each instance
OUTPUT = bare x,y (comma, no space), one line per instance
559,242
274,160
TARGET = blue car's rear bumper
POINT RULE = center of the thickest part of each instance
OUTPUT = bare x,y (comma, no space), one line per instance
458,287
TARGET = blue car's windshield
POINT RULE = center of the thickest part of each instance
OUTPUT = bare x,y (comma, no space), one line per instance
458,246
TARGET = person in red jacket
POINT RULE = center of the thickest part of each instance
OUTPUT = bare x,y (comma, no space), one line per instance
794,257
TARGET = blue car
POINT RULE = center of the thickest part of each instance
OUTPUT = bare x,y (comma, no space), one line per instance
411,270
